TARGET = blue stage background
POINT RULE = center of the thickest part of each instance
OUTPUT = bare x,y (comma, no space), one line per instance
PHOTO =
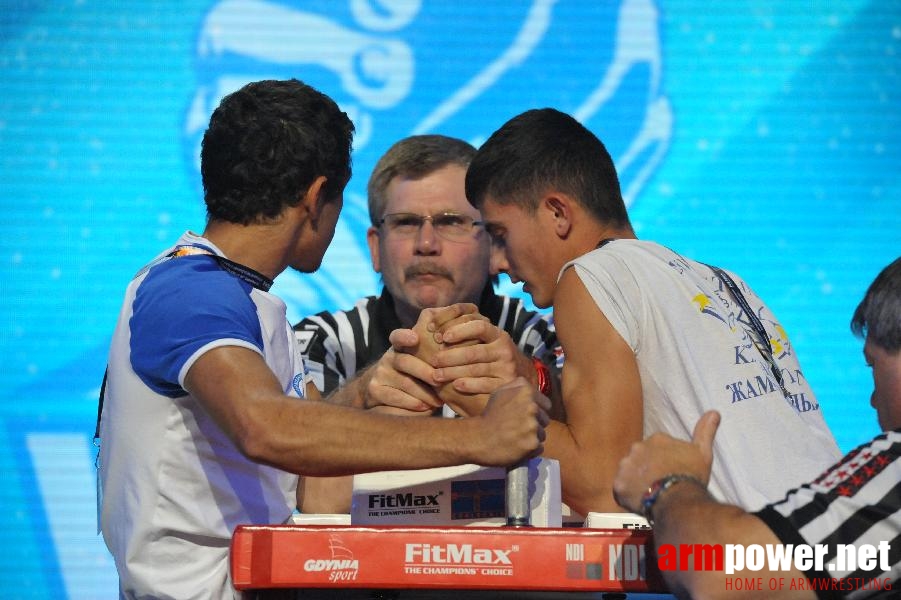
763,136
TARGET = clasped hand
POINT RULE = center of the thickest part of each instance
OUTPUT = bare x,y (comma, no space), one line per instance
453,355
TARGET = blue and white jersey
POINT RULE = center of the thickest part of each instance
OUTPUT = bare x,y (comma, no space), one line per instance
174,485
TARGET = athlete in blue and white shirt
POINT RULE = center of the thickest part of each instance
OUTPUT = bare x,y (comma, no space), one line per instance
171,475
207,416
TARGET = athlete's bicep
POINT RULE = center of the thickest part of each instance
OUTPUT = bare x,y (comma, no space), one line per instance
601,393
238,389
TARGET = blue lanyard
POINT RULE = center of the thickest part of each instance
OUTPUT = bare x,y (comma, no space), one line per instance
762,343
254,278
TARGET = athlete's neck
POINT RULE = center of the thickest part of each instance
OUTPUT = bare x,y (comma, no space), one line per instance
257,246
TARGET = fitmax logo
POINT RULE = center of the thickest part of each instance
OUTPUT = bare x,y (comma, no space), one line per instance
402,500
463,554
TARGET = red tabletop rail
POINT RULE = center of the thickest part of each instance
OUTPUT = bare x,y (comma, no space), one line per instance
464,558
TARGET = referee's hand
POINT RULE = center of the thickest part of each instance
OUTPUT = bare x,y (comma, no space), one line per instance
661,455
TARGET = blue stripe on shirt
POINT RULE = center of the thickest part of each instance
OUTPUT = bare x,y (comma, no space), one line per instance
182,305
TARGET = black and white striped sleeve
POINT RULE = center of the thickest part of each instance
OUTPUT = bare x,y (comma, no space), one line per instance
855,502
334,345
532,332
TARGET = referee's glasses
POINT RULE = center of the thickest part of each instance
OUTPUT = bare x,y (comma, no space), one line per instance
452,227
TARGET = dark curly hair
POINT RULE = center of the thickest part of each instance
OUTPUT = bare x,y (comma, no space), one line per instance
266,144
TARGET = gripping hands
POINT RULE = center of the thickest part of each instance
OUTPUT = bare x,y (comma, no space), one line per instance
455,356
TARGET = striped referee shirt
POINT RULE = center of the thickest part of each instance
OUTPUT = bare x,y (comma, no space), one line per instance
336,345
855,502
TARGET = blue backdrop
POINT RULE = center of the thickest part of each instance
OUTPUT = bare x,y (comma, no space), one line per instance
760,135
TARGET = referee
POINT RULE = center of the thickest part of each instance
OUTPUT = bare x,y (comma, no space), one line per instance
431,249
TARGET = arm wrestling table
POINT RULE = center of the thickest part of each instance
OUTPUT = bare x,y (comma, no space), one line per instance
382,562
388,562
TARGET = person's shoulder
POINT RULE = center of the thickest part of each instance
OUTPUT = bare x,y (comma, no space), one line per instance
322,333
889,439
511,301
190,282
614,252
531,330
631,255
519,307
630,246
364,305
194,296
636,248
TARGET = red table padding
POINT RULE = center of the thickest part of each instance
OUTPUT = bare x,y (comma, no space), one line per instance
474,558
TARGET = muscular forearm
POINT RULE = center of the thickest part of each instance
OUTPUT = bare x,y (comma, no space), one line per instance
686,515
353,392
325,494
676,521
307,437
340,441
587,486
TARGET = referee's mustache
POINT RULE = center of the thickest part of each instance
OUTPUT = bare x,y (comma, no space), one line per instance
427,268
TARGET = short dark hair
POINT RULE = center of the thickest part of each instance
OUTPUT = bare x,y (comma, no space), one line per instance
543,149
878,316
414,157
266,144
